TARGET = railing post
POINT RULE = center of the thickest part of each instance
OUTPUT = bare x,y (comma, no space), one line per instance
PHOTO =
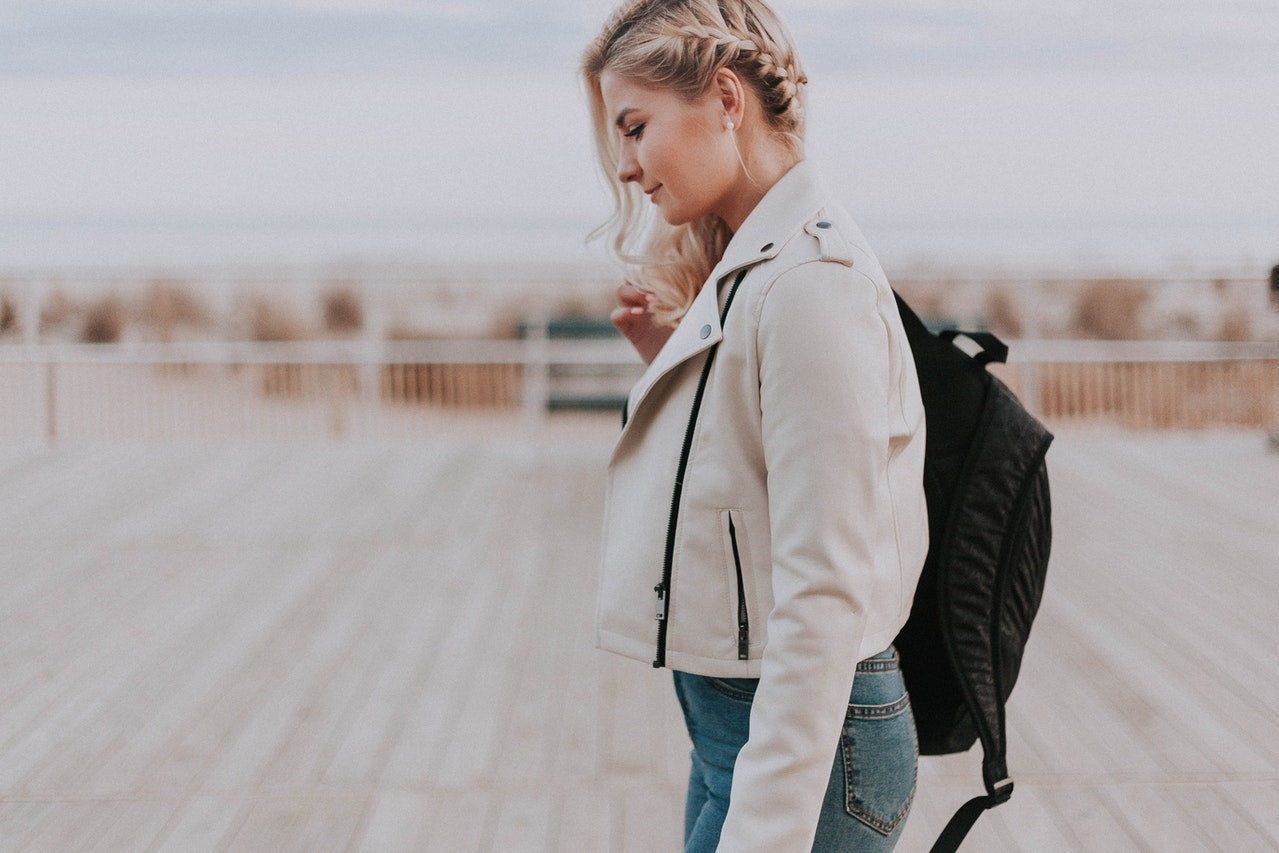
1030,388
374,344
331,376
537,368
29,317
51,401
1032,327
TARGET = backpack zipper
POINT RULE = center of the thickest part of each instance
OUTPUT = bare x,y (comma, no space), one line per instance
743,616
663,589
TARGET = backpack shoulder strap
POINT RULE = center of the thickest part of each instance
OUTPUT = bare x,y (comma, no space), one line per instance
992,348
963,820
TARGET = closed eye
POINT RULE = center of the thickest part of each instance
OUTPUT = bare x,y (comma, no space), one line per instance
635,132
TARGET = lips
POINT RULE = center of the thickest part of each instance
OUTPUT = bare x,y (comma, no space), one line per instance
652,194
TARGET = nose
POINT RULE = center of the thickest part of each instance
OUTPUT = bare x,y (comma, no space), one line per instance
627,168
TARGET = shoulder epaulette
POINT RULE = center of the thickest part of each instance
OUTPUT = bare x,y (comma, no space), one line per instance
832,245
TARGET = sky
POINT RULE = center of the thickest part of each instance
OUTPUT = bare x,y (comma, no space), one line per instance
1128,134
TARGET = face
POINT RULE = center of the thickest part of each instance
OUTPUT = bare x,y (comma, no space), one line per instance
677,151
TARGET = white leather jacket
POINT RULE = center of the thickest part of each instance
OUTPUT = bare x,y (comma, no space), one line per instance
780,535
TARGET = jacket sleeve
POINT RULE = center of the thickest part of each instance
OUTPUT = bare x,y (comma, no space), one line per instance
824,396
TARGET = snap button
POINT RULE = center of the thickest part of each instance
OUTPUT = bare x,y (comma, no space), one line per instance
766,247
706,331
823,224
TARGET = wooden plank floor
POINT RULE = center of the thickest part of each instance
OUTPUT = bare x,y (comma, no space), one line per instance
387,646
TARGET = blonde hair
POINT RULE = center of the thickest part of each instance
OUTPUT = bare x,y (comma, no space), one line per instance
681,45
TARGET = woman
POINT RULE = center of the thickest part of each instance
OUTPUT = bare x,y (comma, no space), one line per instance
765,498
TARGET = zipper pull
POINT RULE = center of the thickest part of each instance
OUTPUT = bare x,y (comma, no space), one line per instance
660,589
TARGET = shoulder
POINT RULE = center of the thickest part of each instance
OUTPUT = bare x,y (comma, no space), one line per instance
827,257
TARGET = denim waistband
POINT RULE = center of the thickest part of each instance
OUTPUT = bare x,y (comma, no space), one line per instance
885,661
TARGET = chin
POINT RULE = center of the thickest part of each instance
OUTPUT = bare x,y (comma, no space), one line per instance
676,217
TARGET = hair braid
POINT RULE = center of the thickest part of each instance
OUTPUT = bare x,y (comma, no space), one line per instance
731,44
778,83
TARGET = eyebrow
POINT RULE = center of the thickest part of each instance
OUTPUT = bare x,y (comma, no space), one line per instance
621,117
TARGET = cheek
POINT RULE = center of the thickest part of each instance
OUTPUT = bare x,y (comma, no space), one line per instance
663,157
707,173
692,164
710,156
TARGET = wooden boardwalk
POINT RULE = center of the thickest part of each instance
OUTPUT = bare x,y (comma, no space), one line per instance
387,646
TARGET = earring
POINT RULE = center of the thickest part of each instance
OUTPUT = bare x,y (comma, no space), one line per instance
728,124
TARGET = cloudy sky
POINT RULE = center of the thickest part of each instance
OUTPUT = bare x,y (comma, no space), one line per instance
991,132
53,38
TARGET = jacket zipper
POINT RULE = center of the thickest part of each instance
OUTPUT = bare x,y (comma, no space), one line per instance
663,589
743,616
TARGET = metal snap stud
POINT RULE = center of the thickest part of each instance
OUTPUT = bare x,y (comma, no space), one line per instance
766,247
823,224
706,331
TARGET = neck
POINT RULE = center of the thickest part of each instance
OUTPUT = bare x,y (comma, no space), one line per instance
765,167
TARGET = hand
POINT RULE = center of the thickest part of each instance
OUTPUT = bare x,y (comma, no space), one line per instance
633,320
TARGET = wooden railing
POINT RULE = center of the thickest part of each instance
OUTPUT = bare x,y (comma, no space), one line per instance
372,389
339,388
1149,384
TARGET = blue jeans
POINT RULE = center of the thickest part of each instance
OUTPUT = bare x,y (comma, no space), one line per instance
872,777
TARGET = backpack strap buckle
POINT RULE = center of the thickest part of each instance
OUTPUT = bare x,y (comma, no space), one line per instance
1000,792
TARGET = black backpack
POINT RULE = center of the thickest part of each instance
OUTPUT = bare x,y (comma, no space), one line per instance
986,484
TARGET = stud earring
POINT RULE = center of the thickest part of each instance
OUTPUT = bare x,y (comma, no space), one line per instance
728,124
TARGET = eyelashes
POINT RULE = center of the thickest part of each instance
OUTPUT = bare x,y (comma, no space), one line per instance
634,132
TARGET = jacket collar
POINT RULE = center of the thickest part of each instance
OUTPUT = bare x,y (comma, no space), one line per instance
782,212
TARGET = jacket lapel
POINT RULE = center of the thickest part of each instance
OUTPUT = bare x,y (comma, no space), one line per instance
697,332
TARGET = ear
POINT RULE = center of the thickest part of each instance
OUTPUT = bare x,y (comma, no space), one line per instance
731,93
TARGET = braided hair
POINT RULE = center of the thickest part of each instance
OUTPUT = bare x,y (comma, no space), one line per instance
681,45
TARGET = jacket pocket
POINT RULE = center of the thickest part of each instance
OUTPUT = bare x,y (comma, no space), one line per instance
735,558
